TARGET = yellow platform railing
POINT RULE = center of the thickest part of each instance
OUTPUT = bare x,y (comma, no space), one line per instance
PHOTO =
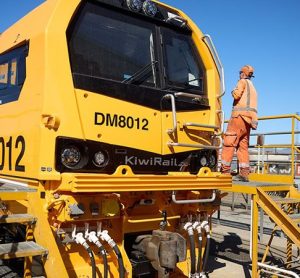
262,163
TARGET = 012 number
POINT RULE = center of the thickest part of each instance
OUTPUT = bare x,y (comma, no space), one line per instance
19,147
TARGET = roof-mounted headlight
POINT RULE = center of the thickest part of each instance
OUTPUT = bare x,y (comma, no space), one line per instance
134,5
149,8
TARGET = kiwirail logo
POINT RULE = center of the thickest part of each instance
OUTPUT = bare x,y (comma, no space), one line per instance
153,161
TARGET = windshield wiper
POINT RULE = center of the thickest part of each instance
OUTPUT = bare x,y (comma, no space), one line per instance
141,75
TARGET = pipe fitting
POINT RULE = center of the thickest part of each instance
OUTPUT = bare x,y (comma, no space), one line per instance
189,228
79,239
205,227
106,237
197,227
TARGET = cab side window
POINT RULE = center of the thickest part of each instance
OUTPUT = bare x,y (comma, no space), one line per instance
12,73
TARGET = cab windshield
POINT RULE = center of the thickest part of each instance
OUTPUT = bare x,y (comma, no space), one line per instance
130,57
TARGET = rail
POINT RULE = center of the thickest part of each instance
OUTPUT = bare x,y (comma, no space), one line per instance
173,130
275,159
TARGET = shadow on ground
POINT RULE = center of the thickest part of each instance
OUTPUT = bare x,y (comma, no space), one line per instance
232,249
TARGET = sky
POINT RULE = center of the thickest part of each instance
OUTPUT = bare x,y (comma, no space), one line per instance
262,33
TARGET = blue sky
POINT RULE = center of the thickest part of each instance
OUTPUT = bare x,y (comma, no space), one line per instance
263,33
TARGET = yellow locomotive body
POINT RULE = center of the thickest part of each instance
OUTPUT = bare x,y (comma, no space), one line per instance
112,112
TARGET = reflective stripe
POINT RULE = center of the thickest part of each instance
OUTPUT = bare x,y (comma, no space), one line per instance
226,163
248,94
244,109
244,165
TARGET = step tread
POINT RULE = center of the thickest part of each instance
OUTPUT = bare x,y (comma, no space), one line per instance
17,218
11,187
286,200
21,249
295,217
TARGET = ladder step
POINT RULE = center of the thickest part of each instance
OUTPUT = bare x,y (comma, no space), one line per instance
21,249
10,191
295,217
17,218
286,200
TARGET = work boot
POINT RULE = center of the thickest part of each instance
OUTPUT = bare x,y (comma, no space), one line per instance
240,178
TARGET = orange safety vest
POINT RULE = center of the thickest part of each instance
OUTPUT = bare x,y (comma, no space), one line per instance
246,105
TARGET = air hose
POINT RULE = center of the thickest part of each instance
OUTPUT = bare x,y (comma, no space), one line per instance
102,251
120,261
205,227
189,228
199,252
93,238
106,237
197,227
93,263
206,253
79,239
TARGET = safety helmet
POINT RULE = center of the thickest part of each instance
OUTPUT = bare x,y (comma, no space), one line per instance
248,70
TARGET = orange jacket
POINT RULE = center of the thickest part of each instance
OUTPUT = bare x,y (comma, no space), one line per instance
245,102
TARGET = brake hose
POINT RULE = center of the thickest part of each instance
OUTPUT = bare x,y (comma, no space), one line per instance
189,228
106,237
120,261
104,257
92,258
79,239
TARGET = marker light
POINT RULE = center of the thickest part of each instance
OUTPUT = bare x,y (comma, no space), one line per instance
149,8
203,161
134,5
100,159
70,156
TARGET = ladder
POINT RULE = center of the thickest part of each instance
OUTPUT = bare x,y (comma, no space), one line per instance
283,207
15,191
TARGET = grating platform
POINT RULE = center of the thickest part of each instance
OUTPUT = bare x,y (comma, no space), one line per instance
11,187
21,249
14,191
17,218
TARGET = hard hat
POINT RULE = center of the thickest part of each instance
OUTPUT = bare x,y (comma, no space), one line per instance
248,70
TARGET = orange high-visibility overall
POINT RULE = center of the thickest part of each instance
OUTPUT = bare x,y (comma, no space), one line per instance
243,118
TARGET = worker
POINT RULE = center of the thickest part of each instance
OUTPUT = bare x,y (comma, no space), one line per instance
243,118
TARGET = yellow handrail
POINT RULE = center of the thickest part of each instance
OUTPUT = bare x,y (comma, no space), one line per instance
274,117
294,149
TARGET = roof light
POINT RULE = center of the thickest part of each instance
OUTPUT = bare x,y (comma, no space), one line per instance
149,8
134,5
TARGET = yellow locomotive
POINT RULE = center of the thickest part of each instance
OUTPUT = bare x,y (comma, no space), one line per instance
111,115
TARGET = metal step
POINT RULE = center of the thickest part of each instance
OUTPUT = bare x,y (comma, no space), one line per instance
283,201
10,190
295,217
17,218
21,249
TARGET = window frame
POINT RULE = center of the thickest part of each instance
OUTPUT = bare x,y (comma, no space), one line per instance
12,91
190,88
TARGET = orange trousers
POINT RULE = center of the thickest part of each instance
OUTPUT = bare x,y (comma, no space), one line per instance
236,138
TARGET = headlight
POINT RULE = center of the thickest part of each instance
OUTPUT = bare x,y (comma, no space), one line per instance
134,5
203,161
149,8
100,159
70,157
212,160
